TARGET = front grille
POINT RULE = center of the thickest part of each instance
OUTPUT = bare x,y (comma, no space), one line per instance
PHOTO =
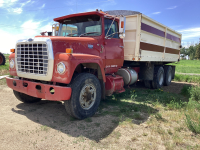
32,58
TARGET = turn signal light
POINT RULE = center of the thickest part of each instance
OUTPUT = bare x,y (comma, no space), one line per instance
69,50
12,50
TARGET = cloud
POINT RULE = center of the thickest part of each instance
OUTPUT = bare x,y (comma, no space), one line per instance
7,2
190,33
28,29
1,3
42,6
25,3
17,10
156,13
173,7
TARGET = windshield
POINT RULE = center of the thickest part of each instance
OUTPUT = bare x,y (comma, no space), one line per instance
89,25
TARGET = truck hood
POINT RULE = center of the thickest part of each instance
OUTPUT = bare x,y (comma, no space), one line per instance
84,45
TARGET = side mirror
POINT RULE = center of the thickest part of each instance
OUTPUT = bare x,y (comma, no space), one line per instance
122,25
55,29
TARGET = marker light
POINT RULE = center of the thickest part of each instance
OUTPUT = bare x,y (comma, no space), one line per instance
12,50
122,24
69,50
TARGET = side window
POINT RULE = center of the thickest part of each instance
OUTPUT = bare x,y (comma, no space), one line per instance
113,29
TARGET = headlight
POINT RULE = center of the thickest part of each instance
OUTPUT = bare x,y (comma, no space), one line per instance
12,63
61,68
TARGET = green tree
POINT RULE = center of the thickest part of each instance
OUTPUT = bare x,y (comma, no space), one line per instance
197,54
184,51
192,52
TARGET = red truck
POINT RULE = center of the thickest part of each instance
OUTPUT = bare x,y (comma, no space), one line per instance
92,55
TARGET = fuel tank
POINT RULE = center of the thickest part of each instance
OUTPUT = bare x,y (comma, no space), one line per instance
129,75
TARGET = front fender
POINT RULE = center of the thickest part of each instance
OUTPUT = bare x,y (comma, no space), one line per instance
71,61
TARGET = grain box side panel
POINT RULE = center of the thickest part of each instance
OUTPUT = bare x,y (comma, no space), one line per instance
173,42
152,40
158,42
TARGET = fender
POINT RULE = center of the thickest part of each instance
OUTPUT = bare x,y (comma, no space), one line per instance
71,61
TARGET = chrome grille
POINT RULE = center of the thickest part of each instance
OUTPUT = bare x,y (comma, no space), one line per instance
32,58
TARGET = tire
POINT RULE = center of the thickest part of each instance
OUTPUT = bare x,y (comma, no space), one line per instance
80,105
25,98
158,78
168,75
2,59
148,84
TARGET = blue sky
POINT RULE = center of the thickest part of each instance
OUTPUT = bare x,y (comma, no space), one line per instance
21,19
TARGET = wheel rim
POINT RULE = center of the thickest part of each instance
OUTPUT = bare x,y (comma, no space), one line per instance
161,78
170,76
87,96
1,60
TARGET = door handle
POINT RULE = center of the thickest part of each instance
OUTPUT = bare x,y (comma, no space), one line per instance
101,49
121,46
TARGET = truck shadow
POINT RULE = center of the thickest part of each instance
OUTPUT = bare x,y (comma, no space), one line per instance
53,115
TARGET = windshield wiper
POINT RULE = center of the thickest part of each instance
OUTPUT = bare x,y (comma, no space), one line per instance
72,34
88,33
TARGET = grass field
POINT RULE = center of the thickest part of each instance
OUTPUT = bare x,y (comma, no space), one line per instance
188,66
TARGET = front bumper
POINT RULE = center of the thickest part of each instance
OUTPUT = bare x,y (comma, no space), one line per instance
40,90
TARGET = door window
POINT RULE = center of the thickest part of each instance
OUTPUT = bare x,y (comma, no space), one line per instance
113,32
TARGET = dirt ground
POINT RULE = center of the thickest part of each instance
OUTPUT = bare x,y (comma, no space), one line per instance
45,125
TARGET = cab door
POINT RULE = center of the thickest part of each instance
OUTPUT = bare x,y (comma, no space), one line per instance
114,51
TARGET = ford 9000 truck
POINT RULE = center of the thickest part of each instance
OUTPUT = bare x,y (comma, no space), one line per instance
91,55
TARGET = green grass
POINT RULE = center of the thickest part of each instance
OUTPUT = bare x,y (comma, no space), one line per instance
187,78
151,101
187,66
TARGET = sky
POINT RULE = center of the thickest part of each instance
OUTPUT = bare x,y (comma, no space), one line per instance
20,19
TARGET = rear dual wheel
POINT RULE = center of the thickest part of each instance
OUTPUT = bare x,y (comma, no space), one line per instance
168,75
158,78
162,76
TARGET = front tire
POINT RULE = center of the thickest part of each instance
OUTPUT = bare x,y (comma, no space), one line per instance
158,77
85,97
26,98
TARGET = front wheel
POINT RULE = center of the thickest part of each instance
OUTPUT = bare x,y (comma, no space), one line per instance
85,97
26,98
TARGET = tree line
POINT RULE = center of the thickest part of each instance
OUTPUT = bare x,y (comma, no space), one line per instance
193,51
